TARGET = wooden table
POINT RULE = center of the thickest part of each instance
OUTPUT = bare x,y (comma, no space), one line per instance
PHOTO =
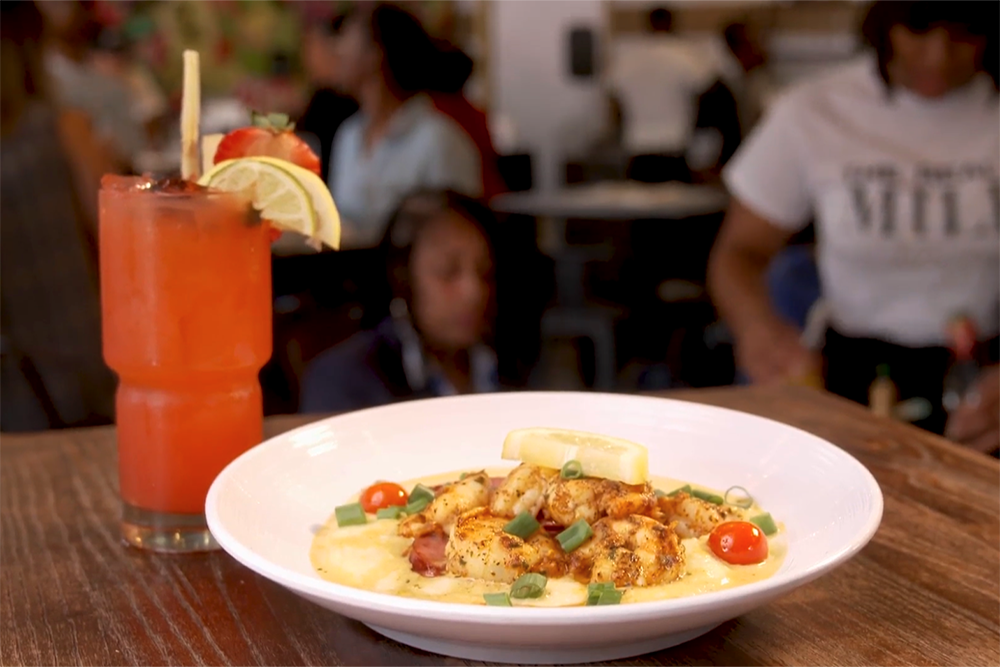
616,200
925,591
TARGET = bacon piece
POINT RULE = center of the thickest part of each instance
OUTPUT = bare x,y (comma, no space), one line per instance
495,482
550,526
426,554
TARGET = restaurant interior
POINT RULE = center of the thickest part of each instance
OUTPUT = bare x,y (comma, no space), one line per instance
253,253
631,310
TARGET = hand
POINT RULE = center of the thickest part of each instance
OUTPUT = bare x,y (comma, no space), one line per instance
976,424
773,353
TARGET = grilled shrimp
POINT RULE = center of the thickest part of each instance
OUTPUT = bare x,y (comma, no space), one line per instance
632,551
695,517
479,548
523,490
569,500
452,500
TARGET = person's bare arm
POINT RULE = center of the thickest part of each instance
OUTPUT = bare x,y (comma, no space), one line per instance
89,157
767,347
744,248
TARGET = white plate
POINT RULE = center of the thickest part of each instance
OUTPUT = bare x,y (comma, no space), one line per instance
264,506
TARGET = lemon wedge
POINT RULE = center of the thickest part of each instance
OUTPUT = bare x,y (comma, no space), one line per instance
599,455
290,197
327,217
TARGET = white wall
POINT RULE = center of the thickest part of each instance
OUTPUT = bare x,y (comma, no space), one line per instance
551,113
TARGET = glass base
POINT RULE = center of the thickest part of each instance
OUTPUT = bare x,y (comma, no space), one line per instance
165,532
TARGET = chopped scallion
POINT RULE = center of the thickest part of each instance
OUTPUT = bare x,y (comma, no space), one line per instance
497,599
604,596
599,586
610,596
603,593
392,512
420,491
572,470
765,522
684,489
419,498
707,497
659,493
460,478
530,585
523,525
350,515
415,507
742,499
575,535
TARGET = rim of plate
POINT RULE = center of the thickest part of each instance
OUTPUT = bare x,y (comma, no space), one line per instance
434,610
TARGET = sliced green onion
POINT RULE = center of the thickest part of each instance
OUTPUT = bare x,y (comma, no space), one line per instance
416,507
419,492
497,599
530,585
460,478
684,489
350,515
419,498
746,502
571,470
604,596
392,512
765,523
523,525
575,535
599,586
659,493
707,497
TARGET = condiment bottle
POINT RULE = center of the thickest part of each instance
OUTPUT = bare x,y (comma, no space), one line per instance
882,393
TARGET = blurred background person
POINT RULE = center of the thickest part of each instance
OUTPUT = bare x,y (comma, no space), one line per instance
327,107
72,31
439,260
397,143
748,75
657,80
898,156
51,366
448,98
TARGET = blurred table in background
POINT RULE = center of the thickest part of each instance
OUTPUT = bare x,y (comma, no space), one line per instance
575,315
616,200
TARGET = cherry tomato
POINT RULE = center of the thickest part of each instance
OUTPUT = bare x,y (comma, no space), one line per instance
738,543
381,495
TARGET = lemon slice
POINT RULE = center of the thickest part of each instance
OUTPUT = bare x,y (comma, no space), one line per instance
274,191
327,217
599,455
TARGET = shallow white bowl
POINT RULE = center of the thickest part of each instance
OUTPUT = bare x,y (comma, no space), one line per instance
264,507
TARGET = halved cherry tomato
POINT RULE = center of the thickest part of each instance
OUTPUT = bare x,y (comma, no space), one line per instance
381,495
738,543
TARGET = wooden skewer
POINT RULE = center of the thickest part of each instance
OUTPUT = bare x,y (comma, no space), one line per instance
191,117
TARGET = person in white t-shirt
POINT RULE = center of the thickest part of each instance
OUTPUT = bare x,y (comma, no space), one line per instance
896,158
656,79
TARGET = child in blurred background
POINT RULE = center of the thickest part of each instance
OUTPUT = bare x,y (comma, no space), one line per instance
439,259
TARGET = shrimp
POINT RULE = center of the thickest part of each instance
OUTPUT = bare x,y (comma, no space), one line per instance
469,493
590,498
523,490
479,548
695,517
632,551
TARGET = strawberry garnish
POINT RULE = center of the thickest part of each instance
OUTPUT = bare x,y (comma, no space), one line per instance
271,136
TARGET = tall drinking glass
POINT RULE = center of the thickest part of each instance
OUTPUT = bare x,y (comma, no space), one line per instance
186,303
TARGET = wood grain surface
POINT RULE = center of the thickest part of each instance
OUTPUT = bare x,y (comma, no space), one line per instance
924,592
